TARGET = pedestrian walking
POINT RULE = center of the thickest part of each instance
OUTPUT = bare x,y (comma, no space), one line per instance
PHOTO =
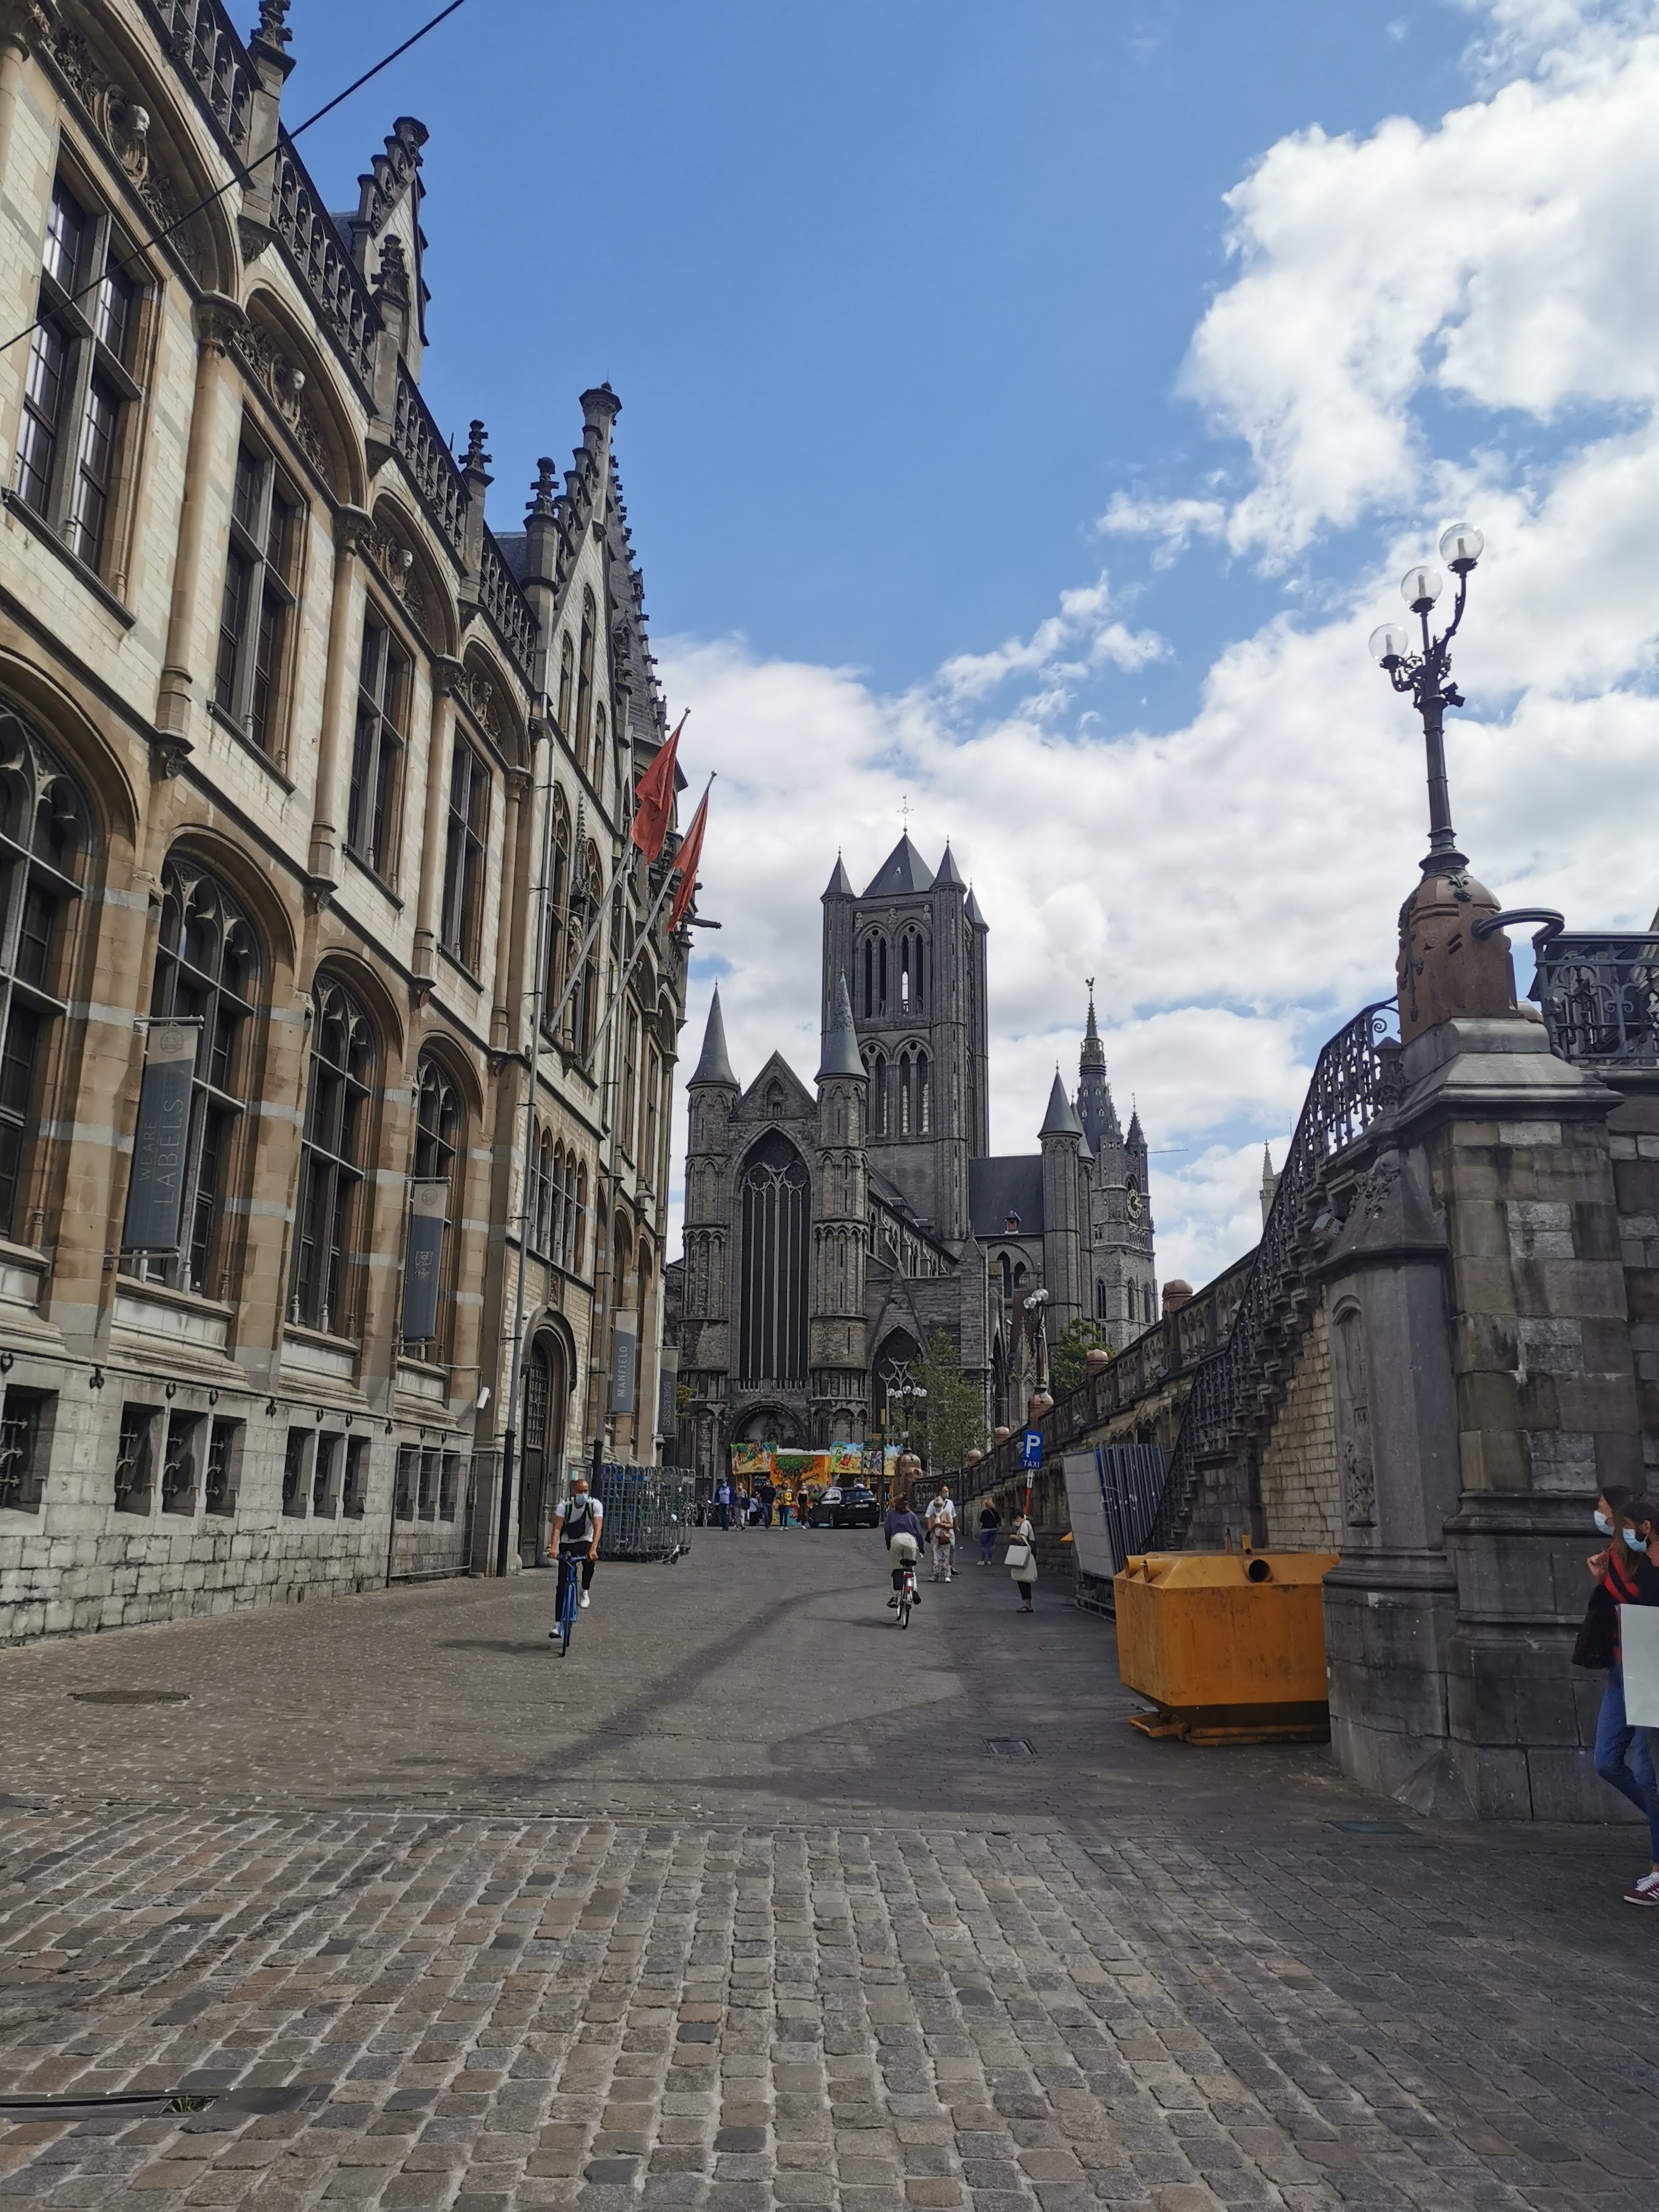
723,1501
1624,1573
942,1529
989,1522
1020,1560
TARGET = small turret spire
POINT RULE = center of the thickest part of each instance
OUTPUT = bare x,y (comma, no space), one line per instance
714,1065
840,1041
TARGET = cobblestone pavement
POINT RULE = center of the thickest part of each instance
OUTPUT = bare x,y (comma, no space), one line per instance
735,1908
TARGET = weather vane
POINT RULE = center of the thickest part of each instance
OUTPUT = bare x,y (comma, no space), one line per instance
904,811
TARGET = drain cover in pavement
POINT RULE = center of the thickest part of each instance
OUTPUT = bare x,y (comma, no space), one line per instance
1372,1827
1008,1747
131,1697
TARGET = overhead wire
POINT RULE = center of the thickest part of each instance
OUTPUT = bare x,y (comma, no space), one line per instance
244,175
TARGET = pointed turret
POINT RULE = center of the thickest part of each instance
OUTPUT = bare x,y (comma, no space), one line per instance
949,876
1094,1093
1136,1139
840,1042
901,873
715,1064
840,883
972,911
1060,1121
1269,1183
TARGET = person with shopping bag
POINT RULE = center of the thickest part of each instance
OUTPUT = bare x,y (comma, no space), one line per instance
1020,1560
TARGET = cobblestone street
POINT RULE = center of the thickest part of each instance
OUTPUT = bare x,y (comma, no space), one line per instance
753,1900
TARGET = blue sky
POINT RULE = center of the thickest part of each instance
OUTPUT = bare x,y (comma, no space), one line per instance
1028,411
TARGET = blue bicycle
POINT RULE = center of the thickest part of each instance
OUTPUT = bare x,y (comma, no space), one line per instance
569,1593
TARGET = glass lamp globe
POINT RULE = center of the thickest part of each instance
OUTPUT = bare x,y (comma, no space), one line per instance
1461,547
1390,642
1421,587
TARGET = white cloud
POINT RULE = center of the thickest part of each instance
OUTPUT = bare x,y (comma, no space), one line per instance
1232,883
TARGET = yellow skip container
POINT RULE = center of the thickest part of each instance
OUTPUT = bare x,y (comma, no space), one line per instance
1229,1646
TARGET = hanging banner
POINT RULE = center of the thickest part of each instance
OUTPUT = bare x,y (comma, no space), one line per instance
668,1379
161,1143
624,1363
428,1209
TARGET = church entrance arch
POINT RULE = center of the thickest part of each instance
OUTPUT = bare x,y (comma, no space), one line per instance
894,1362
546,1396
772,1425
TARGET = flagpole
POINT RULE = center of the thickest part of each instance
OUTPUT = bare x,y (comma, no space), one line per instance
602,1354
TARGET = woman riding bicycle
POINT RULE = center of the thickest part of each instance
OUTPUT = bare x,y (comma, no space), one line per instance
903,1535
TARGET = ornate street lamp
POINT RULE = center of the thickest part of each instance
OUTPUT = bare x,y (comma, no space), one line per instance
1426,675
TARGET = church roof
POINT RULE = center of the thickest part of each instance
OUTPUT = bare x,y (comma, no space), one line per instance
973,913
998,1187
949,873
903,870
1060,1121
841,1042
840,883
1137,1137
715,1065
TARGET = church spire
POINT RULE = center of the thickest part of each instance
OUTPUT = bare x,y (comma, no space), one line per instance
1094,1108
840,1042
715,1065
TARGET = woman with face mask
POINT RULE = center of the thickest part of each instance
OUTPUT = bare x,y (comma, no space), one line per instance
1624,1576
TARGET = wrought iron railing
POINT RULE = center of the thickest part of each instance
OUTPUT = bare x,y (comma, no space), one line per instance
1355,1080
1599,995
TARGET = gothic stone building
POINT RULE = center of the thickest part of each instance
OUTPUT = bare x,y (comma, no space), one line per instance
831,1230
290,739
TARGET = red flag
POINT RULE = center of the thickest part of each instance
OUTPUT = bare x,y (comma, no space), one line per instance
653,806
686,861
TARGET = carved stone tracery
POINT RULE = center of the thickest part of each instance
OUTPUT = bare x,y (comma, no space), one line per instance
283,384
123,124
395,565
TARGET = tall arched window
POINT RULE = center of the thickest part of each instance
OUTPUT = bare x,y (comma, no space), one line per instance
924,1096
577,1217
1100,1302
776,1227
439,1137
567,685
876,1065
584,1001
555,952
466,851
333,1159
912,962
601,750
584,677
907,1077
46,840
207,969
541,1194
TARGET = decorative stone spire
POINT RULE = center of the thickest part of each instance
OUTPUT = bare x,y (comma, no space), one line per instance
840,1041
949,876
546,488
1060,1121
714,1065
272,26
1094,1108
840,883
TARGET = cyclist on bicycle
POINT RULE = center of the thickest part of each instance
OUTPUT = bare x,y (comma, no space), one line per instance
904,1534
577,1521
942,1527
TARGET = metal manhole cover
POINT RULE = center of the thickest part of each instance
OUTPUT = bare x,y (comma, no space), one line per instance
1008,1747
131,1697
1372,1827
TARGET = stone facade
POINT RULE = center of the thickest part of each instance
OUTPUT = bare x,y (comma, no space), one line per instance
1300,1508
289,740
829,1236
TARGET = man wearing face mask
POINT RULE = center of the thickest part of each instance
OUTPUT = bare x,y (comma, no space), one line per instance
1624,1574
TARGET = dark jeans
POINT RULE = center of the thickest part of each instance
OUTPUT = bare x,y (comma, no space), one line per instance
566,1560
725,1516
988,1543
1624,1758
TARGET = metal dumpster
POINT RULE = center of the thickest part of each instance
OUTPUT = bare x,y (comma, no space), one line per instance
1229,1646
648,1510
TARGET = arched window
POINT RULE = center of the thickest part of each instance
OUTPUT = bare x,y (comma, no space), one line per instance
577,1217
465,852
649,1142
776,1221
567,681
600,748
907,1077
924,1096
912,964
584,677
584,1002
333,1159
46,840
1007,1267
439,1138
869,979
557,951
1100,1302
878,1065
207,970
541,1194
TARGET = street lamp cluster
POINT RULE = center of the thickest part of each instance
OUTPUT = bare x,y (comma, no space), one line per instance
1423,671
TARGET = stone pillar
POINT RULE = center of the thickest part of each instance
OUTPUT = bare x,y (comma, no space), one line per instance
217,320
446,675
339,699
1391,1605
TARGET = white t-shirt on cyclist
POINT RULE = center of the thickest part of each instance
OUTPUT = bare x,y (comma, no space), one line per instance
596,1511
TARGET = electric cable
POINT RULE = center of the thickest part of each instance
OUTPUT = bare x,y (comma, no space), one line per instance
244,176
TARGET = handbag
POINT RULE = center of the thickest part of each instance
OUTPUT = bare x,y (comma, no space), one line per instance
1017,1556
1598,1634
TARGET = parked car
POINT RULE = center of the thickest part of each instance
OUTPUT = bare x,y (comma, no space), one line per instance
846,1505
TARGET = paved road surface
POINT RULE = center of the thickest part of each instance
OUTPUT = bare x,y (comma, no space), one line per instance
738,1907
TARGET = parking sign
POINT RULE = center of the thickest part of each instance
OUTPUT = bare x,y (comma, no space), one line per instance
1030,1448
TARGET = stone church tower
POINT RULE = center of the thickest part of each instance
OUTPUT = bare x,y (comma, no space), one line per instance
829,1238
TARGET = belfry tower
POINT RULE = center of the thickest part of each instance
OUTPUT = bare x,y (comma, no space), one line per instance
912,948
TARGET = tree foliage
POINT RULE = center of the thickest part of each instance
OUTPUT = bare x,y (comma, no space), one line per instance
949,1421
1069,1364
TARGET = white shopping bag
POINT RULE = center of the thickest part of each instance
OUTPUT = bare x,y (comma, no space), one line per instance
1638,1641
